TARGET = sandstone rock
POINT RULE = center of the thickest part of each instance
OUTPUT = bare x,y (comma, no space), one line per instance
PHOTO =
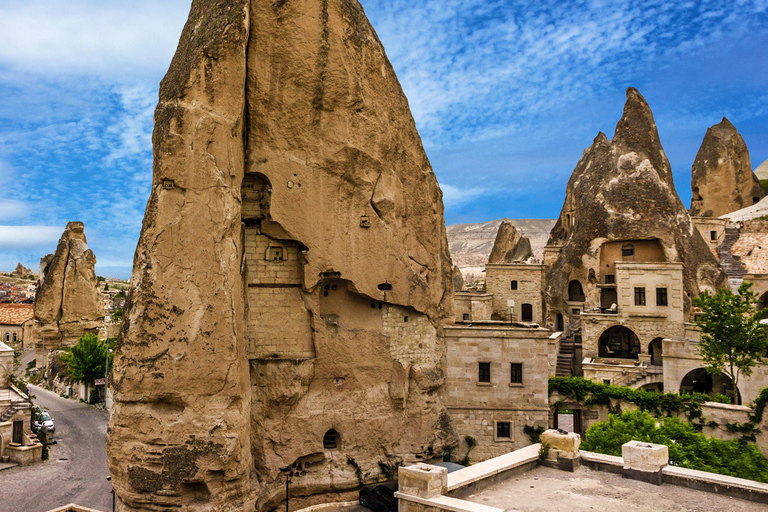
21,270
510,245
458,280
68,304
622,190
722,180
292,277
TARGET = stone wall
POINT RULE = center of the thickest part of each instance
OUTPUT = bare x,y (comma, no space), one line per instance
712,230
477,407
472,306
529,282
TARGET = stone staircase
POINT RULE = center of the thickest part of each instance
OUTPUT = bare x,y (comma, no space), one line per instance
8,413
731,264
633,378
568,345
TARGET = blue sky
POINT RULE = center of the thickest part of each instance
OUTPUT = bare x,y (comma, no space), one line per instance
506,94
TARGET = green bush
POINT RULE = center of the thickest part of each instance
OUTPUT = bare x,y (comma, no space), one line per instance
95,397
688,448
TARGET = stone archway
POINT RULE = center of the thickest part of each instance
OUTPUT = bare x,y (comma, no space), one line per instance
762,302
575,291
701,381
619,342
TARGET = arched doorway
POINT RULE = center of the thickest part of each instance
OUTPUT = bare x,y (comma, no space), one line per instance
560,323
701,381
526,313
655,350
762,302
618,342
575,291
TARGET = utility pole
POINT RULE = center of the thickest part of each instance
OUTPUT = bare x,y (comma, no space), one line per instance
288,470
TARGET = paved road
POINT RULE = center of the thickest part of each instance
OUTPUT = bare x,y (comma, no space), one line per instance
77,469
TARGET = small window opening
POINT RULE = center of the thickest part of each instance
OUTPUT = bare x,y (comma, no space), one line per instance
639,296
516,373
628,250
331,440
713,236
385,287
405,318
465,317
503,430
513,285
610,278
661,296
484,372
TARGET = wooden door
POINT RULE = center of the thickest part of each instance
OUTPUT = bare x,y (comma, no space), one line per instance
18,432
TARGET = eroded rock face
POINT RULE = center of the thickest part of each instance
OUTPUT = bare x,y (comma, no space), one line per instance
292,278
510,245
622,192
21,270
722,180
68,304
458,280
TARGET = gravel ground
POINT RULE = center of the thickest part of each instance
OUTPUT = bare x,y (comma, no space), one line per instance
546,490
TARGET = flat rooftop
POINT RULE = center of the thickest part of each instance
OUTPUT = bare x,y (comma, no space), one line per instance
546,490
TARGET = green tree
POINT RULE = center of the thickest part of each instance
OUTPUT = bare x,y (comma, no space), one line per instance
733,340
106,287
86,361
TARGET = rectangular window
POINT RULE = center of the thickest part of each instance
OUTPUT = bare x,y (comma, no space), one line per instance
14,336
513,285
516,373
639,296
661,296
484,372
503,430
610,278
713,236
465,316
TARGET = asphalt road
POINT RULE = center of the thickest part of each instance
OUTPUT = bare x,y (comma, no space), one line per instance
77,469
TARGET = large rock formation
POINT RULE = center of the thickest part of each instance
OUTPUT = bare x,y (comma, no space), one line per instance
68,304
621,191
292,276
21,270
722,180
510,245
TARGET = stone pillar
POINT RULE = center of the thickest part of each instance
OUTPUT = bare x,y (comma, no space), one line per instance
421,481
562,449
644,461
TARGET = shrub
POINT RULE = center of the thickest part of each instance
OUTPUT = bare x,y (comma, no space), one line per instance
688,448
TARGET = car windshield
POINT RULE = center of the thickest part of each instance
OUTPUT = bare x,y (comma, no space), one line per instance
45,416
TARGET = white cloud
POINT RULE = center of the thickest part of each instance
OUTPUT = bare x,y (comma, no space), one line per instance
118,38
29,237
456,196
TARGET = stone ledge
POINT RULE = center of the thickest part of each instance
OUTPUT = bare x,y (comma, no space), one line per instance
492,467
448,503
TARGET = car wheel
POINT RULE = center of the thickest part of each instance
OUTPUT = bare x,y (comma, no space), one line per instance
364,502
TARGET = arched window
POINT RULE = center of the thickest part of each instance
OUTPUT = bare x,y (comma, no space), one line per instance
331,440
654,349
618,342
526,313
575,291
513,285
560,322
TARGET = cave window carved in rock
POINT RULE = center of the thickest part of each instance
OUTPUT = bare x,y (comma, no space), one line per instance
627,251
331,440
575,291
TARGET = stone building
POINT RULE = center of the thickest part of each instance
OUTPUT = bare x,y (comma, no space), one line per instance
16,322
497,384
17,442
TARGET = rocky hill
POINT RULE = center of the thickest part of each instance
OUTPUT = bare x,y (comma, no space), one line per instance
471,244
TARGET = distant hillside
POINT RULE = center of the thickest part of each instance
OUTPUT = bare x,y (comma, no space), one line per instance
471,244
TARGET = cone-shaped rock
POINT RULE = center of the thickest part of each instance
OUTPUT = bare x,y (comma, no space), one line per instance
21,270
622,190
292,277
68,304
722,179
458,279
510,245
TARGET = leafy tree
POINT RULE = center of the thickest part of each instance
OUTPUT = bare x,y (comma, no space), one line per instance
86,360
117,315
732,341
688,448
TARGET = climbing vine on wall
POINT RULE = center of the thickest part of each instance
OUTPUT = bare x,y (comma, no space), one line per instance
593,393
